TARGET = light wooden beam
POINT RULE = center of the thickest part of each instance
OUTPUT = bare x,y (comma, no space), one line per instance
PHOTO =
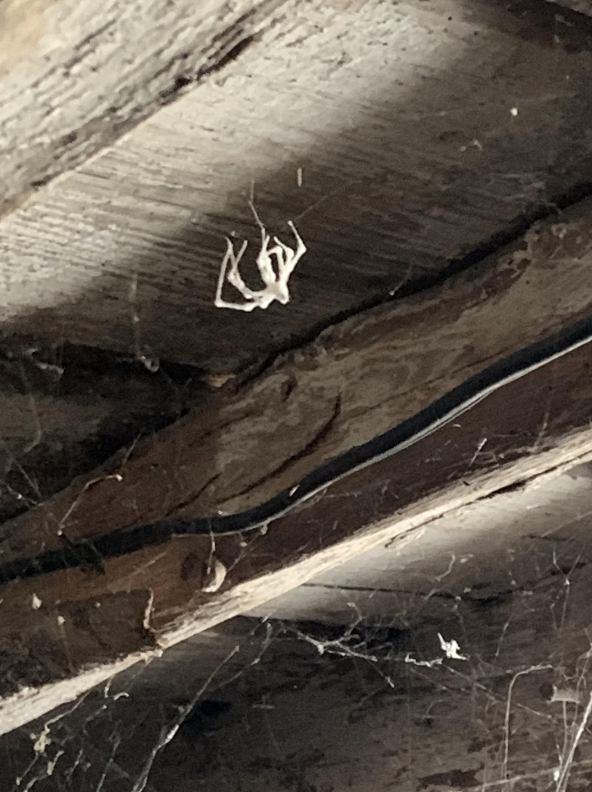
355,381
74,77
347,118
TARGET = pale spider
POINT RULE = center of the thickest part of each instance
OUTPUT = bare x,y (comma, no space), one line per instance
276,284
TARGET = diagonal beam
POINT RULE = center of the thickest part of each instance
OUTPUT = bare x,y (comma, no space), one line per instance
357,380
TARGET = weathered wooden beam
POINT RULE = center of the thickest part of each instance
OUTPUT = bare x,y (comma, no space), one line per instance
74,78
507,578
357,706
383,708
357,380
348,118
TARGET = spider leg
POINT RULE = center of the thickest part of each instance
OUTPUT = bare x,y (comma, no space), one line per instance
234,276
218,301
278,252
292,256
235,280
300,246
246,306
287,259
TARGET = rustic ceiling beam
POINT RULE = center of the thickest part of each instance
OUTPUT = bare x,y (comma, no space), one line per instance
364,148
357,380
105,67
74,79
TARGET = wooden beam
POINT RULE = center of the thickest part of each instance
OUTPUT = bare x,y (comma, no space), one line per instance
364,146
358,706
355,381
507,578
478,553
381,708
73,79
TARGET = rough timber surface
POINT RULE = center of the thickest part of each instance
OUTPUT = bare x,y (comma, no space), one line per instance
583,6
367,705
372,710
75,76
355,381
538,424
482,553
419,130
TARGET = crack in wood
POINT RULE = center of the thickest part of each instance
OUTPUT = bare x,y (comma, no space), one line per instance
194,497
512,234
434,416
215,63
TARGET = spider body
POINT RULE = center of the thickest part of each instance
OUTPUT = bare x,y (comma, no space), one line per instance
275,279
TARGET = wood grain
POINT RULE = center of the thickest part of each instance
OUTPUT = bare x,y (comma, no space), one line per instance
507,577
74,77
356,693
402,125
357,380
477,554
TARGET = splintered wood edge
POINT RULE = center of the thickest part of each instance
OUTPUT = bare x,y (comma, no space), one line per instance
581,6
31,703
79,644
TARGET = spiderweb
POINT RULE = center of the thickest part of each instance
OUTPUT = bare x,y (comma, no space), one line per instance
459,660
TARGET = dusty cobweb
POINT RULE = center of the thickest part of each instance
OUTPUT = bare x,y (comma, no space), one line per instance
451,684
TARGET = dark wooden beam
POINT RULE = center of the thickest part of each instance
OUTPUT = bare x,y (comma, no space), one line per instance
361,706
379,368
64,410
380,708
